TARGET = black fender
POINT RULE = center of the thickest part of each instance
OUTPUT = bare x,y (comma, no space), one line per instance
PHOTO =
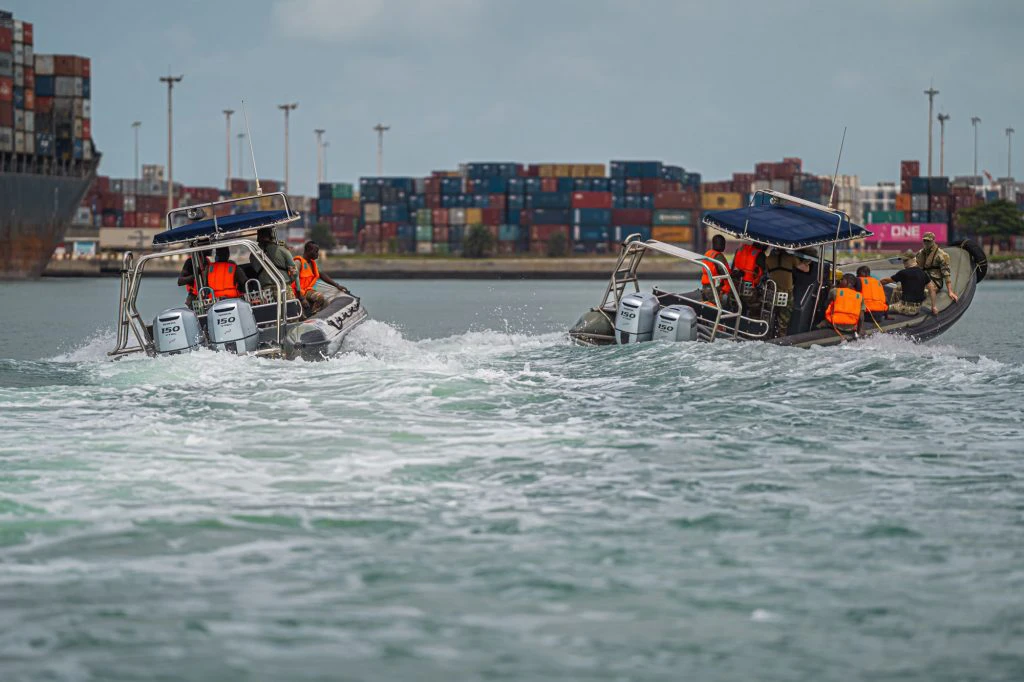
977,255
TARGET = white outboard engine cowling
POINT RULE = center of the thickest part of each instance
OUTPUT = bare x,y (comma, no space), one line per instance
676,323
634,321
231,326
176,330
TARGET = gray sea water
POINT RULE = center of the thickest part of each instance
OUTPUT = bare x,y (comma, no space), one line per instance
462,495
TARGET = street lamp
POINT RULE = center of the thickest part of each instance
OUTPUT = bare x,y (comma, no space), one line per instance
135,127
287,108
381,129
931,92
324,147
974,122
942,143
170,80
1009,150
241,168
227,143
319,132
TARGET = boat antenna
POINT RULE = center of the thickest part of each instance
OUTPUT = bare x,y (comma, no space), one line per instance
259,190
832,194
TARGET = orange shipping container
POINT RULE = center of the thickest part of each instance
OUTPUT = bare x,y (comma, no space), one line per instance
474,216
721,201
902,202
674,234
595,170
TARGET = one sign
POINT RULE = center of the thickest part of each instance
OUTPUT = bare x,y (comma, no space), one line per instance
905,233
85,249
128,238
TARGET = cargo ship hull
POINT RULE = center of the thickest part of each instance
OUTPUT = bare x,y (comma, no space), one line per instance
35,212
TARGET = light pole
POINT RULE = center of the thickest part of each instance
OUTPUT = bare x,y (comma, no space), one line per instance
241,168
942,144
319,132
325,146
287,108
170,80
135,127
1009,151
974,122
931,92
227,143
381,129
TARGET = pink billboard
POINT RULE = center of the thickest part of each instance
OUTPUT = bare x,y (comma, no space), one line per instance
905,233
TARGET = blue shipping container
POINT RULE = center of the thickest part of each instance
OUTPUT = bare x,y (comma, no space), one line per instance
451,185
620,232
45,86
370,193
44,144
919,185
617,185
532,185
516,186
394,213
324,207
617,169
551,216
516,201
672,173
565,184
509,233
600,185
514,215
86,88
592,216
19,98
417,201
549,200
481,201
591,233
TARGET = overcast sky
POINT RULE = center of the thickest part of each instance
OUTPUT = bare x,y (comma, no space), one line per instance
713,86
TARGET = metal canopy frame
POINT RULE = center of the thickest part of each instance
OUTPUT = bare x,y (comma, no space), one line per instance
184,211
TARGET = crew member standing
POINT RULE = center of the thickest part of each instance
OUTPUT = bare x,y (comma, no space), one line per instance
935,263
780,265
715,253
747,272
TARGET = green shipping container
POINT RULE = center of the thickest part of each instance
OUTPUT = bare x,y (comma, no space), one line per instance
441,248
673,217
424,233
885,217
424,216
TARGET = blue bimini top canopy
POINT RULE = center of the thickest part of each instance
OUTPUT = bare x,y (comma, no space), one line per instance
789,226
231,224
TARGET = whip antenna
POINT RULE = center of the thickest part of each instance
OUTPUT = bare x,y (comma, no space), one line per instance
832,194
259,190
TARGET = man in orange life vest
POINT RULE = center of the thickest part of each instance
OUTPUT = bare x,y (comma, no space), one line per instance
187,276
873,292
748,266
224,276
715,254
845,305
309,275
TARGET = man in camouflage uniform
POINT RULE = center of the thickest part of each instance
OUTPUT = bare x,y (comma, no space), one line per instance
280,256
780,265
935,263
910,282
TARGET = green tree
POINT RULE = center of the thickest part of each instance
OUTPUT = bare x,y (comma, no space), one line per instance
995,220
479,242
321,234
558,246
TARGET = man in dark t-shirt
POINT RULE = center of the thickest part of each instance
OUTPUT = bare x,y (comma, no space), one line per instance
913,281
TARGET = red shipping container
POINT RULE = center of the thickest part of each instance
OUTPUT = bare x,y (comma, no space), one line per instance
432,185
28,35
44,105
631,216
591,200
549,184
741,182
677,200
388,230
85,67
102,183
370,232
440,234
493,216
239,186
439,216
6,40
30,79
111,201
910,169
6,115
634,186
940,202
497,201
130,219
86,124
6,89
345,207
653,186
542,233
64,65
109,220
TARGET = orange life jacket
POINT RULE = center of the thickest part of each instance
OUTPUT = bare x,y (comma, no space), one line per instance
221,278
191,287
874,295
844,309
309,273
745,260
716,267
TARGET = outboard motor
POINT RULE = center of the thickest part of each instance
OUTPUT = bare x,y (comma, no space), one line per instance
176,330
676,323
231,326
634,321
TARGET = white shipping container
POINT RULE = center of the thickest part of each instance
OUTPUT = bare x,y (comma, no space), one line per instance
6,65
30,122
129,203
760,185
19,53
19,141
19,76
64,107
19,119
79,108
44,64
64,86
78,86
30,143
83,216
781,186
6,140
86,108
87,150
29,55
19,31
918,202
424,247
457,216
77,128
